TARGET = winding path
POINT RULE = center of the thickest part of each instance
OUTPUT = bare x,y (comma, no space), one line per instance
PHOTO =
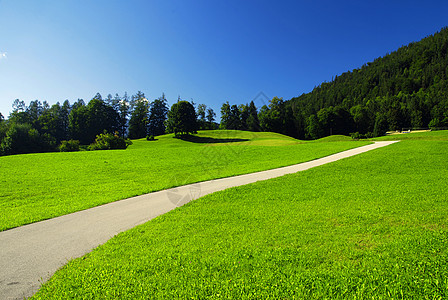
30,254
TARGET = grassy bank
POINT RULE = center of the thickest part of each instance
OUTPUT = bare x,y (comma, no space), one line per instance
35,187
370,226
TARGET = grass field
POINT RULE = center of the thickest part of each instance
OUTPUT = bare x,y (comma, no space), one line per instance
35,187
426,136
373,226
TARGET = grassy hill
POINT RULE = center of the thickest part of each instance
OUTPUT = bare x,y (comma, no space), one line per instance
35,187
370,226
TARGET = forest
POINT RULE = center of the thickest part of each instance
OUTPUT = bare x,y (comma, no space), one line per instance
406,89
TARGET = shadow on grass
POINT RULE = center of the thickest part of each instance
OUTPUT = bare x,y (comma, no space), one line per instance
209,140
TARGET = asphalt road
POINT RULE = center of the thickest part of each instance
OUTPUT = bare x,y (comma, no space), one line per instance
30,254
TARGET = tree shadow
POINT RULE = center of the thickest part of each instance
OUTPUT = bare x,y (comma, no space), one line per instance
209,140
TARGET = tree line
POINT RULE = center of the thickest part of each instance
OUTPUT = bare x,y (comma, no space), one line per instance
37,127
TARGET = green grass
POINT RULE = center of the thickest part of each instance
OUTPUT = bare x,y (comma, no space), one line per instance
426,136
373,226
35,187
334,138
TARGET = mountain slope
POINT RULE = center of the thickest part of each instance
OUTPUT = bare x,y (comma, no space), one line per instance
406,88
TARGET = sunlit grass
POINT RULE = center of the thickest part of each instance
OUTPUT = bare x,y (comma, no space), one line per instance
373,226
441,135
34,187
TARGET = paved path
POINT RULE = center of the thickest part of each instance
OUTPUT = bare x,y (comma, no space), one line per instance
30,254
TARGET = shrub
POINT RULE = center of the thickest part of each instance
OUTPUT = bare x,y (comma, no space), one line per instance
108,141
358,136
23,138
69,146
355,135
150,138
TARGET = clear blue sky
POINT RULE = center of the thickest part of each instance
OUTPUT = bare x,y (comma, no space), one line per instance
210,51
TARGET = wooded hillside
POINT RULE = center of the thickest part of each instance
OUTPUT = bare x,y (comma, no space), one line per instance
404,89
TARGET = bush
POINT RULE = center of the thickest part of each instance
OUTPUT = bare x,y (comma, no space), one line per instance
23,138
356,135
69,146
108,141
359,136
150,138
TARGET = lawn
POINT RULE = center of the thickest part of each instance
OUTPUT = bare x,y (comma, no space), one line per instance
371,226
35,187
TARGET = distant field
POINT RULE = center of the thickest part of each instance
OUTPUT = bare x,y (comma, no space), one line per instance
35,187
431,135
371,226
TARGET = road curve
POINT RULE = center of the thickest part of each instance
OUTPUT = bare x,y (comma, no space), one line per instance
30,254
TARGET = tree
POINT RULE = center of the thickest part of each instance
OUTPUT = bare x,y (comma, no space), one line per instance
244,115
361,118
313,129
64,118
273,117
234,121
225,116
18,106
139,116
78,122
202,108
210,118
158,113
109,100
100,117
34,111
51,122
182,119
123,112
381,125
253,124
18,114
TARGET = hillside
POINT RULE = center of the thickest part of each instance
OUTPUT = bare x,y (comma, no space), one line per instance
404,89
373,226
33,189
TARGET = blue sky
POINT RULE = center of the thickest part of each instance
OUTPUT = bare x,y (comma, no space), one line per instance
206,51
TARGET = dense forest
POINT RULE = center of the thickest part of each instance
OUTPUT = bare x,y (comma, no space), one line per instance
404,89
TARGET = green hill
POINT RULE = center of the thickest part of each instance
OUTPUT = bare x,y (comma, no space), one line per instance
45,185
373,226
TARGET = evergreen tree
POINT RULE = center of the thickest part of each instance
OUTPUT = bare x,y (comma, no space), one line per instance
253,124
158,114
244,115
139,116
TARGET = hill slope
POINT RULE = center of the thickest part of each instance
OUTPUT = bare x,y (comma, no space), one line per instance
39,186
373,226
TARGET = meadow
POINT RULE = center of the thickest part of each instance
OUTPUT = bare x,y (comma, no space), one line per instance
34,187
371,226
